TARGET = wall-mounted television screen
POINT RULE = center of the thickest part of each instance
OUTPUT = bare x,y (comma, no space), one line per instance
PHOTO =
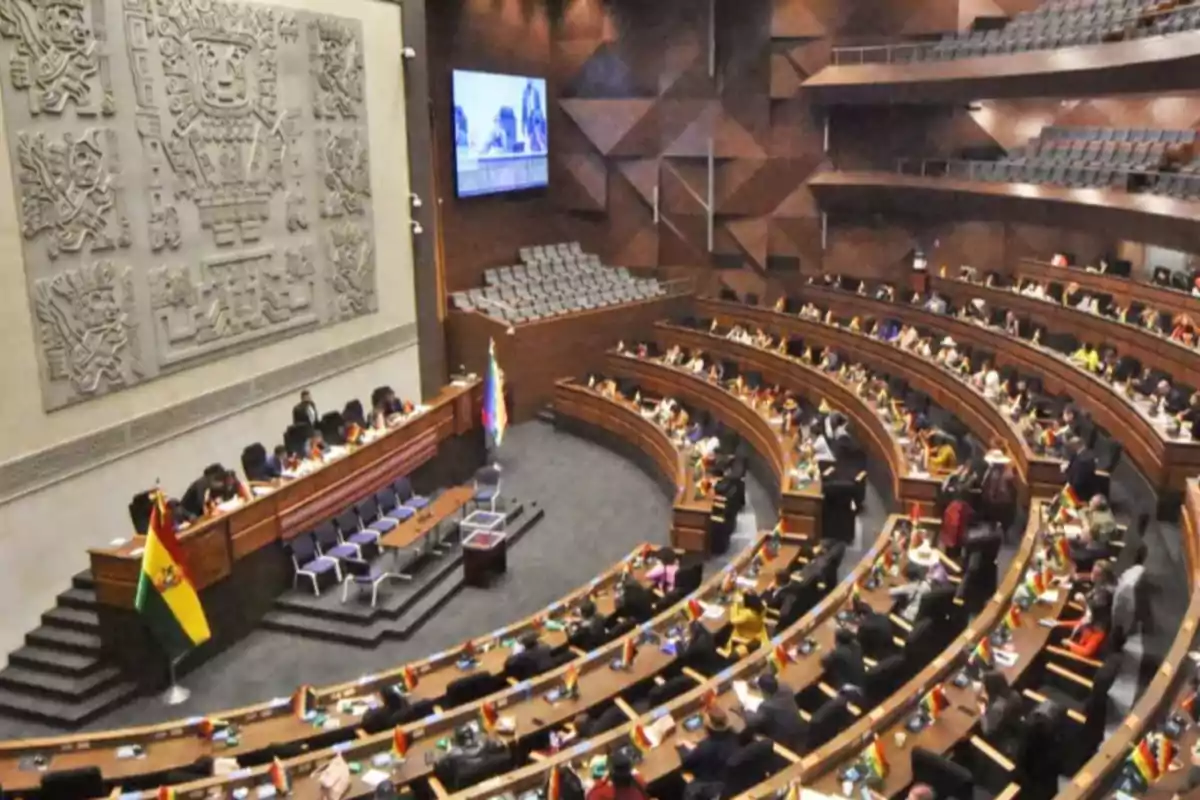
501,142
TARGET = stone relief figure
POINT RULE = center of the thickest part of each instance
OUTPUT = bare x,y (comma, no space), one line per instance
351,256
69,191
228,300
336,61
226,137
87,329
346,173
58,58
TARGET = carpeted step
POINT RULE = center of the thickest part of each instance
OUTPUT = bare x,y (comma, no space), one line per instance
72,641
76,597
64,687
59,661
65,713
320,628
78,619
84,580
420,612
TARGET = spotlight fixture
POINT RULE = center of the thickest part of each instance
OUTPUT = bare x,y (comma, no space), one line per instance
416,201
408,52
416,228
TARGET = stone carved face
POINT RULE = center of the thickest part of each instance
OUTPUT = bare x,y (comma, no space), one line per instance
64,26
222,71
85,164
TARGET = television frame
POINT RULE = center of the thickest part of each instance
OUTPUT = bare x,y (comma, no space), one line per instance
524,192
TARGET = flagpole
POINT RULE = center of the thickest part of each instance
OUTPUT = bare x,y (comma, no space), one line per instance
175,693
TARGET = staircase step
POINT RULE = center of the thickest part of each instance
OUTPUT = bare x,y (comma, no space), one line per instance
421,611
76,597
64,639
84,580
321,628
79,619
65,713
65,687
59,661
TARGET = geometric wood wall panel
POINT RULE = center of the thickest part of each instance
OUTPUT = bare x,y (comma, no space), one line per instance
192,179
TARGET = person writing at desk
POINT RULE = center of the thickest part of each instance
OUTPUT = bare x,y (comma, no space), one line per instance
1001,720
749,621
207,491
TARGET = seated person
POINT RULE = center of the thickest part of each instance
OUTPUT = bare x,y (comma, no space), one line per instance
1089,632
470,759
941,458
708,759
316,447
596,722
1190,416
779,589
777,716
620,783
389,714
1000,708
699,647
844,664
1087,357
1099,522
748,618
275,464
662,575
910,594
589,632
207,491
634,601
532,657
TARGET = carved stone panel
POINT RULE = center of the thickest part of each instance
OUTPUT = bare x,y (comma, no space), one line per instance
236,215
229,300
87,330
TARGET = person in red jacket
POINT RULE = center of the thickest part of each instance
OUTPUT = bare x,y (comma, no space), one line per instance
956,521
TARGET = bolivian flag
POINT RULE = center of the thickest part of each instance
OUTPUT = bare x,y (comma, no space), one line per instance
489,717
166,596
640,739
628,652
410,678
554,785
1188,706
982,655
571,680
1166,753
1012,620
934,702
399,743
874,759
1144,761
779,658
694,610
166,793
279,777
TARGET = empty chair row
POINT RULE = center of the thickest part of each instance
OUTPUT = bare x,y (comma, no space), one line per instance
552,307
1100,134
523,273
546,252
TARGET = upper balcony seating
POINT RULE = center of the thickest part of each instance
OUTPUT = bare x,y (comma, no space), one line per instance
552,280
1065,23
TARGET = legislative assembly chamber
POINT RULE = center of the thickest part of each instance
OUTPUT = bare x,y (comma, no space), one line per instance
600,399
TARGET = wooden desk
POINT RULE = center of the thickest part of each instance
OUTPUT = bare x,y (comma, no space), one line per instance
234,558
1125,291
799,506
908,485
818,769
690,511
1166,463
525,703
1037,475
1162,353
1167,689
422,523
663,759
176,743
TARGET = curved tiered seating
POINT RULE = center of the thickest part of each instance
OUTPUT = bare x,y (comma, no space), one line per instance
176,744
1042,476
1165,461
1123,290
909,483
819,770
799,503
690,510
1159,353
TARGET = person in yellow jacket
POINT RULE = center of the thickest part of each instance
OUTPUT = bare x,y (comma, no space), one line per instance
748,616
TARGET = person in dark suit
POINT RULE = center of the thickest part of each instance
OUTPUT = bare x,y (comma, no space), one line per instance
595,723
534,658
1080,467
305,412
844,664
1190,416
209,488
634,601
273,466
709,759
699,648
589,633
389,714
1002,722
777,717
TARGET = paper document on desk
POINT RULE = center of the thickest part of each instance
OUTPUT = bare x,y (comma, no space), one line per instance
747,583
374,777
660,729
1050,596
712,610
229,505
749,700
262,491
1007,658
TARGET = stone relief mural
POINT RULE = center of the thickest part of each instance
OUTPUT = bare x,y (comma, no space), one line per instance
219,199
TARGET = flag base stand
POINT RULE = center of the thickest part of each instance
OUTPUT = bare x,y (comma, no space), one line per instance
175,694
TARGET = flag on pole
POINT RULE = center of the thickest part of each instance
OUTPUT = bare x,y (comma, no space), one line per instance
554,785
571,680
628,652
874,759
934,702
166,597
166,793
279,777
640,739
495,414
1144,762
410,678
489,717
209,726
779,658
694,610
1166,753
303,700
982,655
1012,620
399,743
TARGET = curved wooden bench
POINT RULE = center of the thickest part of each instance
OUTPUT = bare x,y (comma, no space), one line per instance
1166,462
1162,353
1125,290
1039,475
799,506
909,485
690,512
818,770
1167,689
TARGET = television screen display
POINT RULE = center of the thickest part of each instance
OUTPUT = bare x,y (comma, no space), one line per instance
500,135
